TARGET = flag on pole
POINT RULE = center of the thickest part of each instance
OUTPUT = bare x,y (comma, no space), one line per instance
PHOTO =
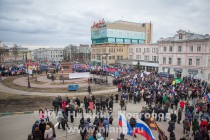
124,124
143,129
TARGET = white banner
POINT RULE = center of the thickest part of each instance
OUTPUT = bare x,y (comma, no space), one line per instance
79,75
147,73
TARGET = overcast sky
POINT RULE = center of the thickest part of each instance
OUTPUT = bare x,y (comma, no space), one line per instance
62,22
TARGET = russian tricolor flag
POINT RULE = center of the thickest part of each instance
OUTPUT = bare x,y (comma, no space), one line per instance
143,129
124,124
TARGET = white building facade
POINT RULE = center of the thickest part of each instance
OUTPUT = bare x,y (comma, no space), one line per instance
185,54
146,54
48,54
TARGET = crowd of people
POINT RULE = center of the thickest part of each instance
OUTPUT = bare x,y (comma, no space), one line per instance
188,98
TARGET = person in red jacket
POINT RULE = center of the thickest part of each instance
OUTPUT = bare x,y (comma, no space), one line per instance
119,87
182,104
64,103
203,123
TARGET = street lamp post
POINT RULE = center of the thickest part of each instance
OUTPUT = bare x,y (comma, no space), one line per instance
62,76
29,85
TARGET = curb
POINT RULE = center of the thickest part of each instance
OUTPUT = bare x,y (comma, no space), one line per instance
16,113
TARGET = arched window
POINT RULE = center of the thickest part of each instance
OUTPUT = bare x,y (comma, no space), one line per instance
209,77
180,36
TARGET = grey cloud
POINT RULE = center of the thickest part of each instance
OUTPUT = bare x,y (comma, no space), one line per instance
60,22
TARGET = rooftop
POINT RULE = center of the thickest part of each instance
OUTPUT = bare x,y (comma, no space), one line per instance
189,36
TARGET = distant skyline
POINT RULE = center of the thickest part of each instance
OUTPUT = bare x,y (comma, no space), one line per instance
36,23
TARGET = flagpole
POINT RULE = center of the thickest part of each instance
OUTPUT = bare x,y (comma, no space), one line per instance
118,131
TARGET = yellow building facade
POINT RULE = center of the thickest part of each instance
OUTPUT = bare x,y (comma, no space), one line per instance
112,51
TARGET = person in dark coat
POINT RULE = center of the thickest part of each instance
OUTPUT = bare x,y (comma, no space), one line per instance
37,135
176,100
36,124
78,101
172,136
42,127
186,125
72,111
89,89
197,135
173,116
171,126
55,105
96,122
122,136
179,115
116,97
195,125
133,123
86,102
83,132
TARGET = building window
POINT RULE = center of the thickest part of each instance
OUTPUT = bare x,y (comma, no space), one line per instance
164,60
113,57
197,62
130,50
138,57
146,58
191,48
155,58
190,61
179,48
198,48
178,61
131,57
164,49
98,58
138,50
110,57
180,36
170,61
170,49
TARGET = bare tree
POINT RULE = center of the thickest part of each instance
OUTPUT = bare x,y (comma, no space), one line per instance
15,51
4,51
